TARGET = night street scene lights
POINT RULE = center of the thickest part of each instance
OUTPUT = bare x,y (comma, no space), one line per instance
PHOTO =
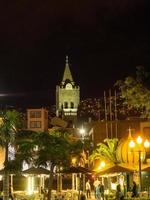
101,165
82,133
140,147
85,140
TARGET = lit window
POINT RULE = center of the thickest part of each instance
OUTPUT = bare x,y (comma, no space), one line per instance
35,114
35,124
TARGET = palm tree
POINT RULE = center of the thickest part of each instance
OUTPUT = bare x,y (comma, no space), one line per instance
106,151
25,148
10,122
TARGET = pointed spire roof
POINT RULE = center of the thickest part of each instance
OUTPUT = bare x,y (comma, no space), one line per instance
129,135
67,73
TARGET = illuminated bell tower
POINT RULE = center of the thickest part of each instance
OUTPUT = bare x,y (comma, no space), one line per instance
67,95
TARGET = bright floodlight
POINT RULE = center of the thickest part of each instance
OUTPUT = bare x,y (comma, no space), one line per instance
102,165
139,140
131,144
146,144
82,131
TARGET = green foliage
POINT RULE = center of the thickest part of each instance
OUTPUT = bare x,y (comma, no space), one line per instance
14,166
135,91
44,149
106,151
60,132
9,125
52,149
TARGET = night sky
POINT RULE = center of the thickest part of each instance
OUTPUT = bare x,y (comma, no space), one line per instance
104,39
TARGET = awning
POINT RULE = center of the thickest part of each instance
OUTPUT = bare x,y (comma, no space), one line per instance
77,170
115,169
36,171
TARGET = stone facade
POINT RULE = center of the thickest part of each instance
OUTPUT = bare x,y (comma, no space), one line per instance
67,95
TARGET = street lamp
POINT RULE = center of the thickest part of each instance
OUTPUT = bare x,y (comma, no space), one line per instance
140,148
102,165
82,132
84,138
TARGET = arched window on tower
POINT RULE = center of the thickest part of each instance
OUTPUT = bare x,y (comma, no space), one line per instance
71,105
65,104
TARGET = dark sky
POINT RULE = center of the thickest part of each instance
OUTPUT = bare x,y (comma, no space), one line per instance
105,41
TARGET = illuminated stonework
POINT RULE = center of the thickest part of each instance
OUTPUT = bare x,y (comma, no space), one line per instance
67,94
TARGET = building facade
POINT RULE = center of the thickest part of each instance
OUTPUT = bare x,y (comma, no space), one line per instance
37,119
67,95
100,130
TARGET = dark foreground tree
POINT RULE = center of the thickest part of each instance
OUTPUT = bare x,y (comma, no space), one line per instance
10,123
136,91
49,150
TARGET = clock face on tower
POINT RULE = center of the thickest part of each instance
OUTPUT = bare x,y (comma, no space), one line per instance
68,86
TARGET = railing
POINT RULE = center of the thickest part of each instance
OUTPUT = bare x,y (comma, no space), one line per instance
74,195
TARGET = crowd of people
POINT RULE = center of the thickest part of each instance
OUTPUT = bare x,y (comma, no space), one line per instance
99,190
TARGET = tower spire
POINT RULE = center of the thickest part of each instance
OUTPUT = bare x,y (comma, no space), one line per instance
130,135
67,95
67,73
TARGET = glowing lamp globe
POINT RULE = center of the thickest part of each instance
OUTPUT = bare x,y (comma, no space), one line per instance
128,151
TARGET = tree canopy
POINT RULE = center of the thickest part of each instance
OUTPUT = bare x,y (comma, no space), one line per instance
9,125
52,150
136,91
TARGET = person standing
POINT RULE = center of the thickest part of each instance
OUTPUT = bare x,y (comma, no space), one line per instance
102,190
42,193
119,195
134,189
96,184
97,192
88,189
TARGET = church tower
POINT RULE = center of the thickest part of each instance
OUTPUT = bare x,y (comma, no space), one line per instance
67,95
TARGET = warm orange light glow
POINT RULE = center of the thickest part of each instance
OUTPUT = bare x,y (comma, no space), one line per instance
139,140
30,186
74,161
102,165
146,144
131,144
82,131
1,120
99,167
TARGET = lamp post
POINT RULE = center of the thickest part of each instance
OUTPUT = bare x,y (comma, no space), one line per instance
140,148
85,151
82,132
